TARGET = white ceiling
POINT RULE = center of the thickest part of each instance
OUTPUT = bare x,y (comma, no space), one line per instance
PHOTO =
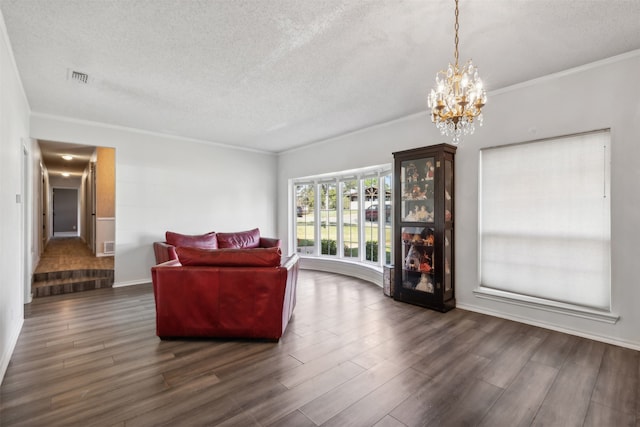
275,74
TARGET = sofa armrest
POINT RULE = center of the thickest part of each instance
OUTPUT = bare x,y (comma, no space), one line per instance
268,242
292,266
170,263
291,262
164,252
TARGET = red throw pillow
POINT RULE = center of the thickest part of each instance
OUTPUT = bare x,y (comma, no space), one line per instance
241,239
203,241
258,257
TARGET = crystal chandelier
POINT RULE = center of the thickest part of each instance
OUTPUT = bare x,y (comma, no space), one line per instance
457,99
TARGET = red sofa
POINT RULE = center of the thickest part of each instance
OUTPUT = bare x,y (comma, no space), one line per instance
165,251
236,293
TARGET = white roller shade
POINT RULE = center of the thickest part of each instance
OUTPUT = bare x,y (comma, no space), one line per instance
545,219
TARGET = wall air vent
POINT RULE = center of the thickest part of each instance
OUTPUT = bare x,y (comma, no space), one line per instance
79,77
109,248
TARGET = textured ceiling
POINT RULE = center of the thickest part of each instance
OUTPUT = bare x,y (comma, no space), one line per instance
275,74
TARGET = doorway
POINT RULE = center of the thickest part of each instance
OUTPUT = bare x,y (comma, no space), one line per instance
65,212
78,218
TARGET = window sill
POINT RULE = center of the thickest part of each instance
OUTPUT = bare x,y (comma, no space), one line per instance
546,305
369,272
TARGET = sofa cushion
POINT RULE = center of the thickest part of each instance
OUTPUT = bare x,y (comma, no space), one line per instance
203,241
257,257
240,239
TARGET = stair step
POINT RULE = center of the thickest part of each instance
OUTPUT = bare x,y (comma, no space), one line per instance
69,274
42,288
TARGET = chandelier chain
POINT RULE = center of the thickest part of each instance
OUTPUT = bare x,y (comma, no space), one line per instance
456,27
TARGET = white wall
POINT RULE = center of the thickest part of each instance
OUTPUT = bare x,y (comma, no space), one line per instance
165,183
14,131
593,97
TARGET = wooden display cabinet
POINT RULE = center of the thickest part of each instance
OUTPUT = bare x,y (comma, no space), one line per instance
424,226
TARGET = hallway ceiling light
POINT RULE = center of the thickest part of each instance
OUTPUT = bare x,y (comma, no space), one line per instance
457,98
65,174
67,156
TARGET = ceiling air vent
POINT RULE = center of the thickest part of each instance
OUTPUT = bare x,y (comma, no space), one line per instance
79,77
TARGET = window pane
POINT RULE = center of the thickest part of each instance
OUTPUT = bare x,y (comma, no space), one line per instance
388,226
328,219
350,233
544,219
304,218
372,213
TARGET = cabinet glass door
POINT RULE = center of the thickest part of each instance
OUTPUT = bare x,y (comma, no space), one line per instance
417,190
418,266
448,217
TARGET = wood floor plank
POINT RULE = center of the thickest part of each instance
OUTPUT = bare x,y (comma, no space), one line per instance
468,406
518,404
12,416
601,415
443,336
218,355
294,419
228,406
350,356
388,421
279,406
567,401
440,359
79,407
374,406
316,366
500,338
618,382
436,394
507,365
330,404
77,381
553,351
587,353
217,407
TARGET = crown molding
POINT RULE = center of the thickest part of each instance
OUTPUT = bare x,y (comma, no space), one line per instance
568,72
147,132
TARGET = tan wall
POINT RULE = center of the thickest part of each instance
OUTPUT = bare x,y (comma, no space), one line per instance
106,182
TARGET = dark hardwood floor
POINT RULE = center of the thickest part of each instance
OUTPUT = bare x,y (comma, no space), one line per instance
350,357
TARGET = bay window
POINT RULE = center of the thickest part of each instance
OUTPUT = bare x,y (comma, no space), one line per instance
344,215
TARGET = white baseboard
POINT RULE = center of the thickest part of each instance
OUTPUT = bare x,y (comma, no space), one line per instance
5,357
65,234
102,254
132,283
528,321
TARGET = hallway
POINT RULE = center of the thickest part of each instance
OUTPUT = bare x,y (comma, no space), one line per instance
67,265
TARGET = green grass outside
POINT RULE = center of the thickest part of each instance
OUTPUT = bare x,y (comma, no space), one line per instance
305,231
